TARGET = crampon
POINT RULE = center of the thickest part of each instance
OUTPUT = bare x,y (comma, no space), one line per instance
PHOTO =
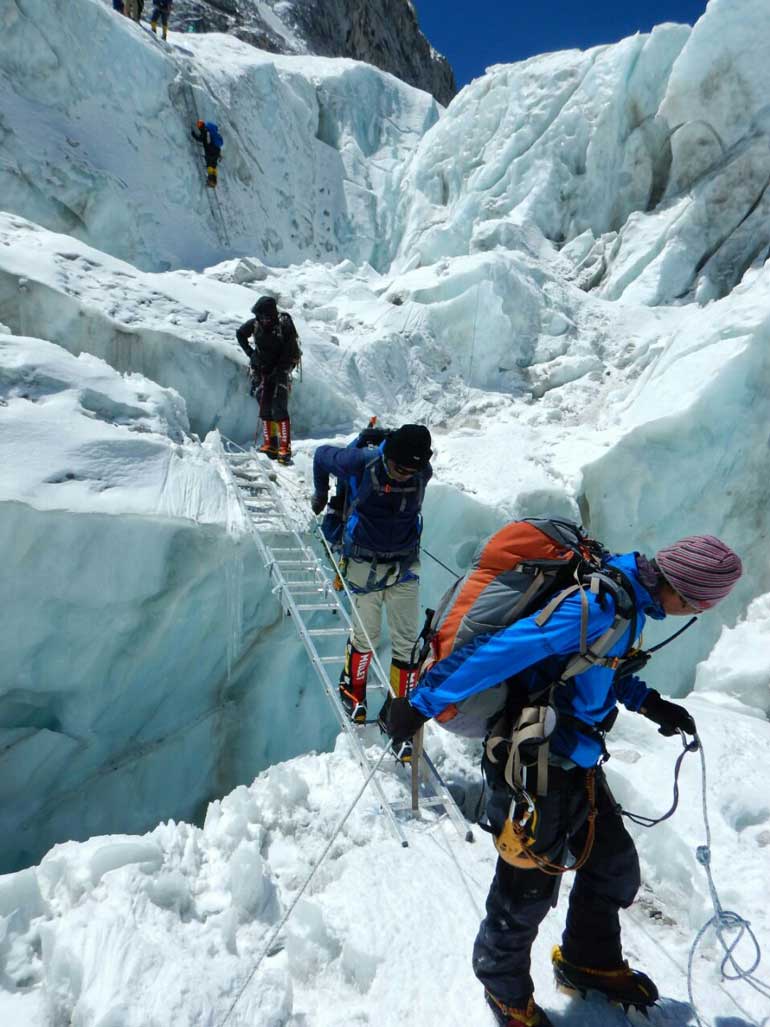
623,987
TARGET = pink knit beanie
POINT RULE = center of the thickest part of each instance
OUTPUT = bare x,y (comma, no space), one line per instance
701,568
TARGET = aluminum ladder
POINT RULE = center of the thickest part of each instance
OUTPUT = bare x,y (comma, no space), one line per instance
303,586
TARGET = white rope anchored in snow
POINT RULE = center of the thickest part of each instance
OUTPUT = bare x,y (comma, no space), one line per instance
282,923
723,920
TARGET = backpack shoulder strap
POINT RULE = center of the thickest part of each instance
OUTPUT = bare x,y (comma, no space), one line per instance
625,617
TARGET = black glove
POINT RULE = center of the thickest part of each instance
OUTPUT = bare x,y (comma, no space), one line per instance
669,716
399,719
317,503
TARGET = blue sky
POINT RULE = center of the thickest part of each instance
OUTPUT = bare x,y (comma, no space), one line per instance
475,35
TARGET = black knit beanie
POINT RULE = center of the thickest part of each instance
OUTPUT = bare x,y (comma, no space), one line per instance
409,446
266,307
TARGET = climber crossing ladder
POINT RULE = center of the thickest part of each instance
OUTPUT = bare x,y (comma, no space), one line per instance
305,591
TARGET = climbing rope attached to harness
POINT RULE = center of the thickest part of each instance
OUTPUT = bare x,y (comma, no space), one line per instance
722,921
643,821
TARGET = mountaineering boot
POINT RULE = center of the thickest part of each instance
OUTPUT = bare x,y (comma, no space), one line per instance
353,682
530,1016
211,181
269,443
403,676
165,32
624,986
284,435
154,27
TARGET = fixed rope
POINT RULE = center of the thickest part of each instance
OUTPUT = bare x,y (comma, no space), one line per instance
722,921
439,562
282,923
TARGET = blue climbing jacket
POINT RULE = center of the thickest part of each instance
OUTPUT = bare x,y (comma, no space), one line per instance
384,519
214,134
535,656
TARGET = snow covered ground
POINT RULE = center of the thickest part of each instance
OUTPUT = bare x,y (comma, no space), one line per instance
564,276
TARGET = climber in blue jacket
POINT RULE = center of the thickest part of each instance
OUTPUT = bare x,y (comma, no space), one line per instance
575,812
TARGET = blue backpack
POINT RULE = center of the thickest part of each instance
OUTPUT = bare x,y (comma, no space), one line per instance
333,524
216,138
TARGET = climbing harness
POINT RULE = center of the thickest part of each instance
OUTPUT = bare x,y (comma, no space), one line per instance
515,842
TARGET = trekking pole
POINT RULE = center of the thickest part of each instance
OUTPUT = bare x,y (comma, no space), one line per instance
277,930
416,754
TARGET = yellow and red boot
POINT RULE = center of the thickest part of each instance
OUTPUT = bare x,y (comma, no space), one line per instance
269,441
284,436
403,677
530,1015
622,985
211,180
353,682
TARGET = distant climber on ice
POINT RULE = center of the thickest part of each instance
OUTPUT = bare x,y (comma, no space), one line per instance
161,11
208,134
382,524
275,353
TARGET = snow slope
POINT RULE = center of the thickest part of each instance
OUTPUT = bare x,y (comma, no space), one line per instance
168,927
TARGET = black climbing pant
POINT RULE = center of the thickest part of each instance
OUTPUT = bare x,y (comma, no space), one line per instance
519,899
272,392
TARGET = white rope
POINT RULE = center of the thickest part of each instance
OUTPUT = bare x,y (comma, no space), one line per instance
279,927
723,920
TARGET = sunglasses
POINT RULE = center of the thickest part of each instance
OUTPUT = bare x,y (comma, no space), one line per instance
405,472
688,604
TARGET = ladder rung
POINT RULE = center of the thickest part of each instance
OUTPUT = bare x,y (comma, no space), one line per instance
317,606
296,563
294,550
332,659
319,590
423,802
327,631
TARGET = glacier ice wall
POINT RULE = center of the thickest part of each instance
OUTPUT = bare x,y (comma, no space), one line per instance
630,157
312,145
137,618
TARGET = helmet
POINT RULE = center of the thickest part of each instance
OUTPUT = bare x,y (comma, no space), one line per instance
201,124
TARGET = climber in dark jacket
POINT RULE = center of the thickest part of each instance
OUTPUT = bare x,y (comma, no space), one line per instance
273,357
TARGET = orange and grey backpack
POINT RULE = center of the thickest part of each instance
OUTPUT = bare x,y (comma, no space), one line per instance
528,566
